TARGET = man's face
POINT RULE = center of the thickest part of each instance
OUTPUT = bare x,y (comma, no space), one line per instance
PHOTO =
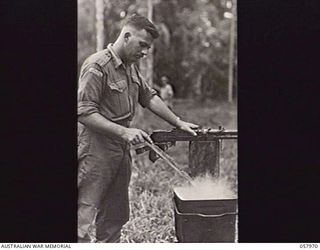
137,44
164,80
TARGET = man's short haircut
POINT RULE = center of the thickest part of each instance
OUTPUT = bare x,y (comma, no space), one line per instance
140,22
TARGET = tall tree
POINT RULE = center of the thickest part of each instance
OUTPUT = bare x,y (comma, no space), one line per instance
100,24
150,57
146,64
231,53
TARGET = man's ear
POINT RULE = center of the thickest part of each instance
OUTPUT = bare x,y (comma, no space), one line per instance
127,35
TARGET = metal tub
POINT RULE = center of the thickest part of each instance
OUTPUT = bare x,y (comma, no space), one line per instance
205,220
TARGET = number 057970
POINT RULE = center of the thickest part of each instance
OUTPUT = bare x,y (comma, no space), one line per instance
308,245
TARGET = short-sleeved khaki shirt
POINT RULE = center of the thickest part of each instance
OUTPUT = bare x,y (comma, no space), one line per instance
109,87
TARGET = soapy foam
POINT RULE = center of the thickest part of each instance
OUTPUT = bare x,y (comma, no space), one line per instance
206,188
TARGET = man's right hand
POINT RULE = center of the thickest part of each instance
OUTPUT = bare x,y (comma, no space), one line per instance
135,136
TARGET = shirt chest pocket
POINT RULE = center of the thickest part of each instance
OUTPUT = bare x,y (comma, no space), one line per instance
118,98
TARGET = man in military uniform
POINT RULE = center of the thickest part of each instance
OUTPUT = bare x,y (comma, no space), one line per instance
110,86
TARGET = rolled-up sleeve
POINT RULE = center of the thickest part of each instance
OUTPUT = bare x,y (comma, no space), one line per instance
90,90
146,93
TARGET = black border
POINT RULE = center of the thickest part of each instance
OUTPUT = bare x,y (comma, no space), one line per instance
278,121
38,142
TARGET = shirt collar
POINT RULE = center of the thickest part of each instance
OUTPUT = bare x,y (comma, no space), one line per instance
115,56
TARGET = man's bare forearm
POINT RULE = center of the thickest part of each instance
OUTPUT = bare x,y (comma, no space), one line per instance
101,125
158,107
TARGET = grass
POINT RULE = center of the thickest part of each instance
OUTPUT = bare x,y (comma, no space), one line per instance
152,216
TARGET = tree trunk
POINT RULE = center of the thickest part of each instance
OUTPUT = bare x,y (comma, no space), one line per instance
197,86
150,57
146,69
100,24
146,64
231,52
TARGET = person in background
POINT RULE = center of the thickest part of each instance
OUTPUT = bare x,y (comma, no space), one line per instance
165,91
110,88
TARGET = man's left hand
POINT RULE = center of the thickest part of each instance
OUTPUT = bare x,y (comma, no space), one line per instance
187,126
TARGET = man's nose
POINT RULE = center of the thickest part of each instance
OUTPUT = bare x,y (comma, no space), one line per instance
144,52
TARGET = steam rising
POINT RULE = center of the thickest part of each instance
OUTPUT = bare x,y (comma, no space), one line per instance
206,188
